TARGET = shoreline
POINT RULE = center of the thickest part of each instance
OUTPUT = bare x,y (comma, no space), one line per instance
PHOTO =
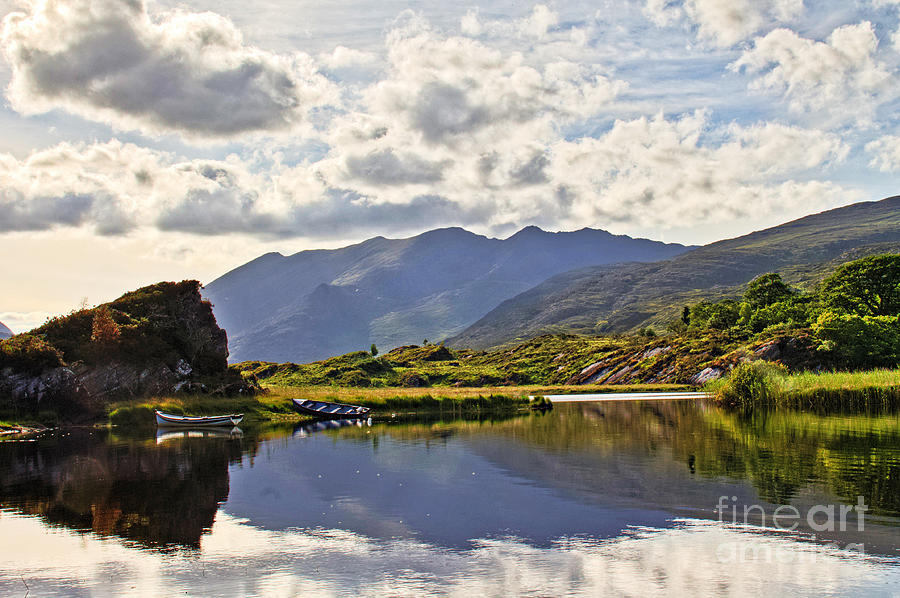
273,405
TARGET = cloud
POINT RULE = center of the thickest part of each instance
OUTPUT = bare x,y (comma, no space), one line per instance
455,131
723,23
840,74
182,72
387,168
19,322
656,172
885,153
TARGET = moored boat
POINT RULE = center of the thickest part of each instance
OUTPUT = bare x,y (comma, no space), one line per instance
167,419
328,410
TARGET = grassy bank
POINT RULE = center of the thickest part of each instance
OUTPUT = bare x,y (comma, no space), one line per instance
759,383
265,407
275,403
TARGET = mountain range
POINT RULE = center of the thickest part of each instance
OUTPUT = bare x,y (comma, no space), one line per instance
625,297
478,292
5,332
394,292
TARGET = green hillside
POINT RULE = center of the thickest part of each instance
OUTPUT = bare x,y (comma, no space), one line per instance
626,297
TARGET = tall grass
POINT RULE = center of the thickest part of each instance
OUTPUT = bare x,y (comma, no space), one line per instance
761,383
437,400
275,403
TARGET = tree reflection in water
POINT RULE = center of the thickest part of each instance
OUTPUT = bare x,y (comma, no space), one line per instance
158,495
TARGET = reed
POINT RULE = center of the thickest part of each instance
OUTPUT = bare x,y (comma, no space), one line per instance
757,383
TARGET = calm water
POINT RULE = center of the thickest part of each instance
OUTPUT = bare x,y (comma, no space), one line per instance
590,499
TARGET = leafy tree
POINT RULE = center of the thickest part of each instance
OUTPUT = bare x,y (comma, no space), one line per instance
746,314
104,330
860,341
765,290
795,312
716,316
867,287
373,350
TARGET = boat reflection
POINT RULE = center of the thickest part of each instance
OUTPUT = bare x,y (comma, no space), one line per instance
169,434
304,430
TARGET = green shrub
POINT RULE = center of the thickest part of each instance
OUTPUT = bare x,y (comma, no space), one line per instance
28,353
413,380
749,383
354,378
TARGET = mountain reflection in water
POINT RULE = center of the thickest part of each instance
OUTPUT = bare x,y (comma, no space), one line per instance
590,497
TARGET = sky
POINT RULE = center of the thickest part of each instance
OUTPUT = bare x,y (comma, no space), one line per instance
146,141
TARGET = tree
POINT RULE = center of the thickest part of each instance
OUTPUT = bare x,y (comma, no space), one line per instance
765,290
716,316
104,329
860,341
686,315
867,287
374,350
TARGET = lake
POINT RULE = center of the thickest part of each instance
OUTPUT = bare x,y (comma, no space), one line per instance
642,498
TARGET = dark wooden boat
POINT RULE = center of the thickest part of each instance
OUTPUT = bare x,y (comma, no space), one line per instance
166,419
327,410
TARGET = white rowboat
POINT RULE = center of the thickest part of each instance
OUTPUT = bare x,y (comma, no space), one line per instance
166,419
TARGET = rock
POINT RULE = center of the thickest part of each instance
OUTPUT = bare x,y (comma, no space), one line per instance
183,369
769,351
50,385
707,374
619,375
654,352
167,338
588,370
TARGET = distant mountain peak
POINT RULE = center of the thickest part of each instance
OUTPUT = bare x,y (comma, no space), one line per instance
4,331
394,292
619,298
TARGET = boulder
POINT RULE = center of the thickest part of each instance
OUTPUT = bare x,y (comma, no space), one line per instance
165,339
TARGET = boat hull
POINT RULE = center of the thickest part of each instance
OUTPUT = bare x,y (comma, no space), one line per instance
328,410
213,421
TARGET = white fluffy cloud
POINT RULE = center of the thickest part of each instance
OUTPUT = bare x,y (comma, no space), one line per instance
118,188
724,23
461,117
183,72
648,172
885,152
656,172
495,127
839,74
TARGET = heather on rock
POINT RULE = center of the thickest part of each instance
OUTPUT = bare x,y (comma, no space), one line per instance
159,339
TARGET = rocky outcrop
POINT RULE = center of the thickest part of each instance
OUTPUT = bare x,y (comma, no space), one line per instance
679,362
159,340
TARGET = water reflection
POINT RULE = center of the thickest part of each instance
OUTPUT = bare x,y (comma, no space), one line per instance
590,498
161,493
239,559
